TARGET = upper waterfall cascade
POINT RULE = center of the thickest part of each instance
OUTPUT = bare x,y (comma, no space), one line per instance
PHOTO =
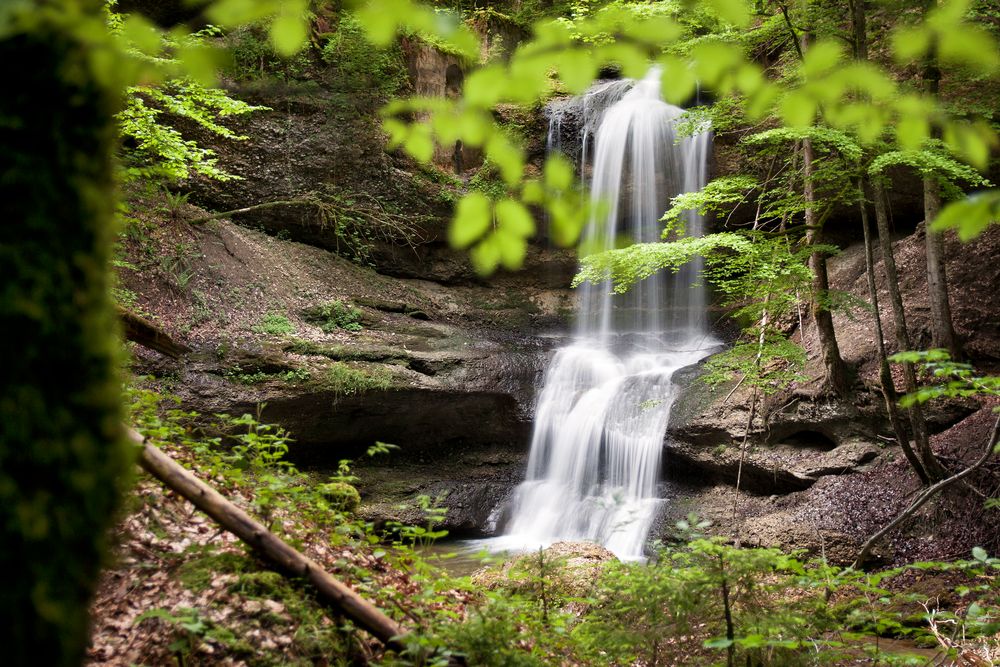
602,413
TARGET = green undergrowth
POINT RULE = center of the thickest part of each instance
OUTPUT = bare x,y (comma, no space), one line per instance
697,600
334,315
346,380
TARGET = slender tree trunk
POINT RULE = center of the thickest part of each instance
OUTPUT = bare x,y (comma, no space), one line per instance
886,383
931,465
62,455
836,370
942,329
859,26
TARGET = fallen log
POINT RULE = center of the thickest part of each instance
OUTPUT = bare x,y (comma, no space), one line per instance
141,331
331,592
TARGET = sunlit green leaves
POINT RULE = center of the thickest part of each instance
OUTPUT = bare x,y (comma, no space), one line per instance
798,109
949,37
931,162
419,143
384,20
142,35
970,216
514,219
821,57
577,70
288,31
508,157
558,172
485,87
736,12
677,81
473,217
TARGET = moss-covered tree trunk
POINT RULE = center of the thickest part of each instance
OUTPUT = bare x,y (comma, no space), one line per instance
62,455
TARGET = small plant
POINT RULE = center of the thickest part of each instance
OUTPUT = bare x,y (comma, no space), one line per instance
274,324
190,629
346,380
335,315
174,202
178,264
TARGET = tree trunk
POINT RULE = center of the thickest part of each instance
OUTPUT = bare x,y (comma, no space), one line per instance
63,460
919,427
942,330
836,371
887,386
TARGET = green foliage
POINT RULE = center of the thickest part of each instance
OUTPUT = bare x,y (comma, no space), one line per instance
361,66
189,629
159,150
951,379
335,315
852,99
345,380
154,148
932,162
760,277
719,195
970,216
771,365
274,324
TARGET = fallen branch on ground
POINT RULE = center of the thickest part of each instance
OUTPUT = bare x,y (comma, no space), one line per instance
927,494
141,331
331,592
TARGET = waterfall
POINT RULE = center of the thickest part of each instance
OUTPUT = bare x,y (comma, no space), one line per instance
602,413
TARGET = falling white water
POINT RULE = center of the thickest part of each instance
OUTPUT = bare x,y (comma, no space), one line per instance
602,413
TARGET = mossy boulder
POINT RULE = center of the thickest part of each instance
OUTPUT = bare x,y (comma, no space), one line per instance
341,496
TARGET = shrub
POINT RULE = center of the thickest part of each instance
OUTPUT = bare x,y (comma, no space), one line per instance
334,315
274,324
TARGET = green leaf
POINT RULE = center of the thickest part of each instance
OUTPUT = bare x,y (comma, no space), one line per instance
969,45
735,12
512,249
577,70
628,57
656,30
677,81
485,86
970,216
419,143
514,218
507,157
142,35
288,33
718,643
239,12
980,554
486,256
472,219
798,109
558,172
397,130
912,131
821,57
911,43
200,62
